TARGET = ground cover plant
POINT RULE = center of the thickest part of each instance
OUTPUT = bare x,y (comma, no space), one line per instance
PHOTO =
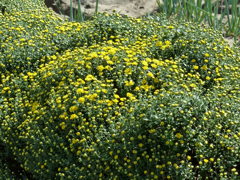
116,98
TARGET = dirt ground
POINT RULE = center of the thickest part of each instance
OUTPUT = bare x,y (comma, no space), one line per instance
133,8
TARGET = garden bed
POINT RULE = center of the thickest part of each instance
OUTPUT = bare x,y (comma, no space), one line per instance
116,98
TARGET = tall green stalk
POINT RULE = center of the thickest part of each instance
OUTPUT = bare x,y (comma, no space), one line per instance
71,10
79,12
96,9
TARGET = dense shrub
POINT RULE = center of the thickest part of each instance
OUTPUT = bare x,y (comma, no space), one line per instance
124,98
5,171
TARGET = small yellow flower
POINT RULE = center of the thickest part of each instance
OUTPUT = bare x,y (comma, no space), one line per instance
90,77
206,55
73,108
193,85
205,160
149,74
159,43
179,135
204,67
130,95
128,71
170,27
129,83
208,78
73,116
151,131
81,100
168,42
140,145
145,63
100,68
196,67
80,90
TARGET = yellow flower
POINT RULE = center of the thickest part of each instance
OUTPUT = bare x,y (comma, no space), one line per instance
110,62
204,67
206,55
63,125
81,100
159,43
116,157
100,68
154,66
93,55
168,42
195,67
179,135
170,27
140,145
149,74
129,83
128,71
73,116
80,90
208,78
73,108
90,77
116,96
193,85
145,67
145,63
92,96
205,160
131,96
151,131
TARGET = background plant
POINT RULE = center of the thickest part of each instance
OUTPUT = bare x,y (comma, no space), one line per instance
223,15
78,14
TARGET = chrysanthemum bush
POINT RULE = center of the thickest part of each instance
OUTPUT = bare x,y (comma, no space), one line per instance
146,99
28,35
4,169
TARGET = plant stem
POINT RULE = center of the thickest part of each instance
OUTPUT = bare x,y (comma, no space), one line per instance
71,10
96,10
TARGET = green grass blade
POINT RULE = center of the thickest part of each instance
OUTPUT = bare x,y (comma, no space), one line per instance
79,12
96,9
71,10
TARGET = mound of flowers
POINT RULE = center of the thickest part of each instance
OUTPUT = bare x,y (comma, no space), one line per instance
121,98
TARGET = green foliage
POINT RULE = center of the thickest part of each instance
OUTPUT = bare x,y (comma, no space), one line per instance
5,172
215,13
78,15
30,35
21,5
117,98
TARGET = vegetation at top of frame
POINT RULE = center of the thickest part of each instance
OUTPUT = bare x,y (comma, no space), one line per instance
116,98
220,14
21,5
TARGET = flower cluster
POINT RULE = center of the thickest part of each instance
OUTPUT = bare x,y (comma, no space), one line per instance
145,99
28,36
